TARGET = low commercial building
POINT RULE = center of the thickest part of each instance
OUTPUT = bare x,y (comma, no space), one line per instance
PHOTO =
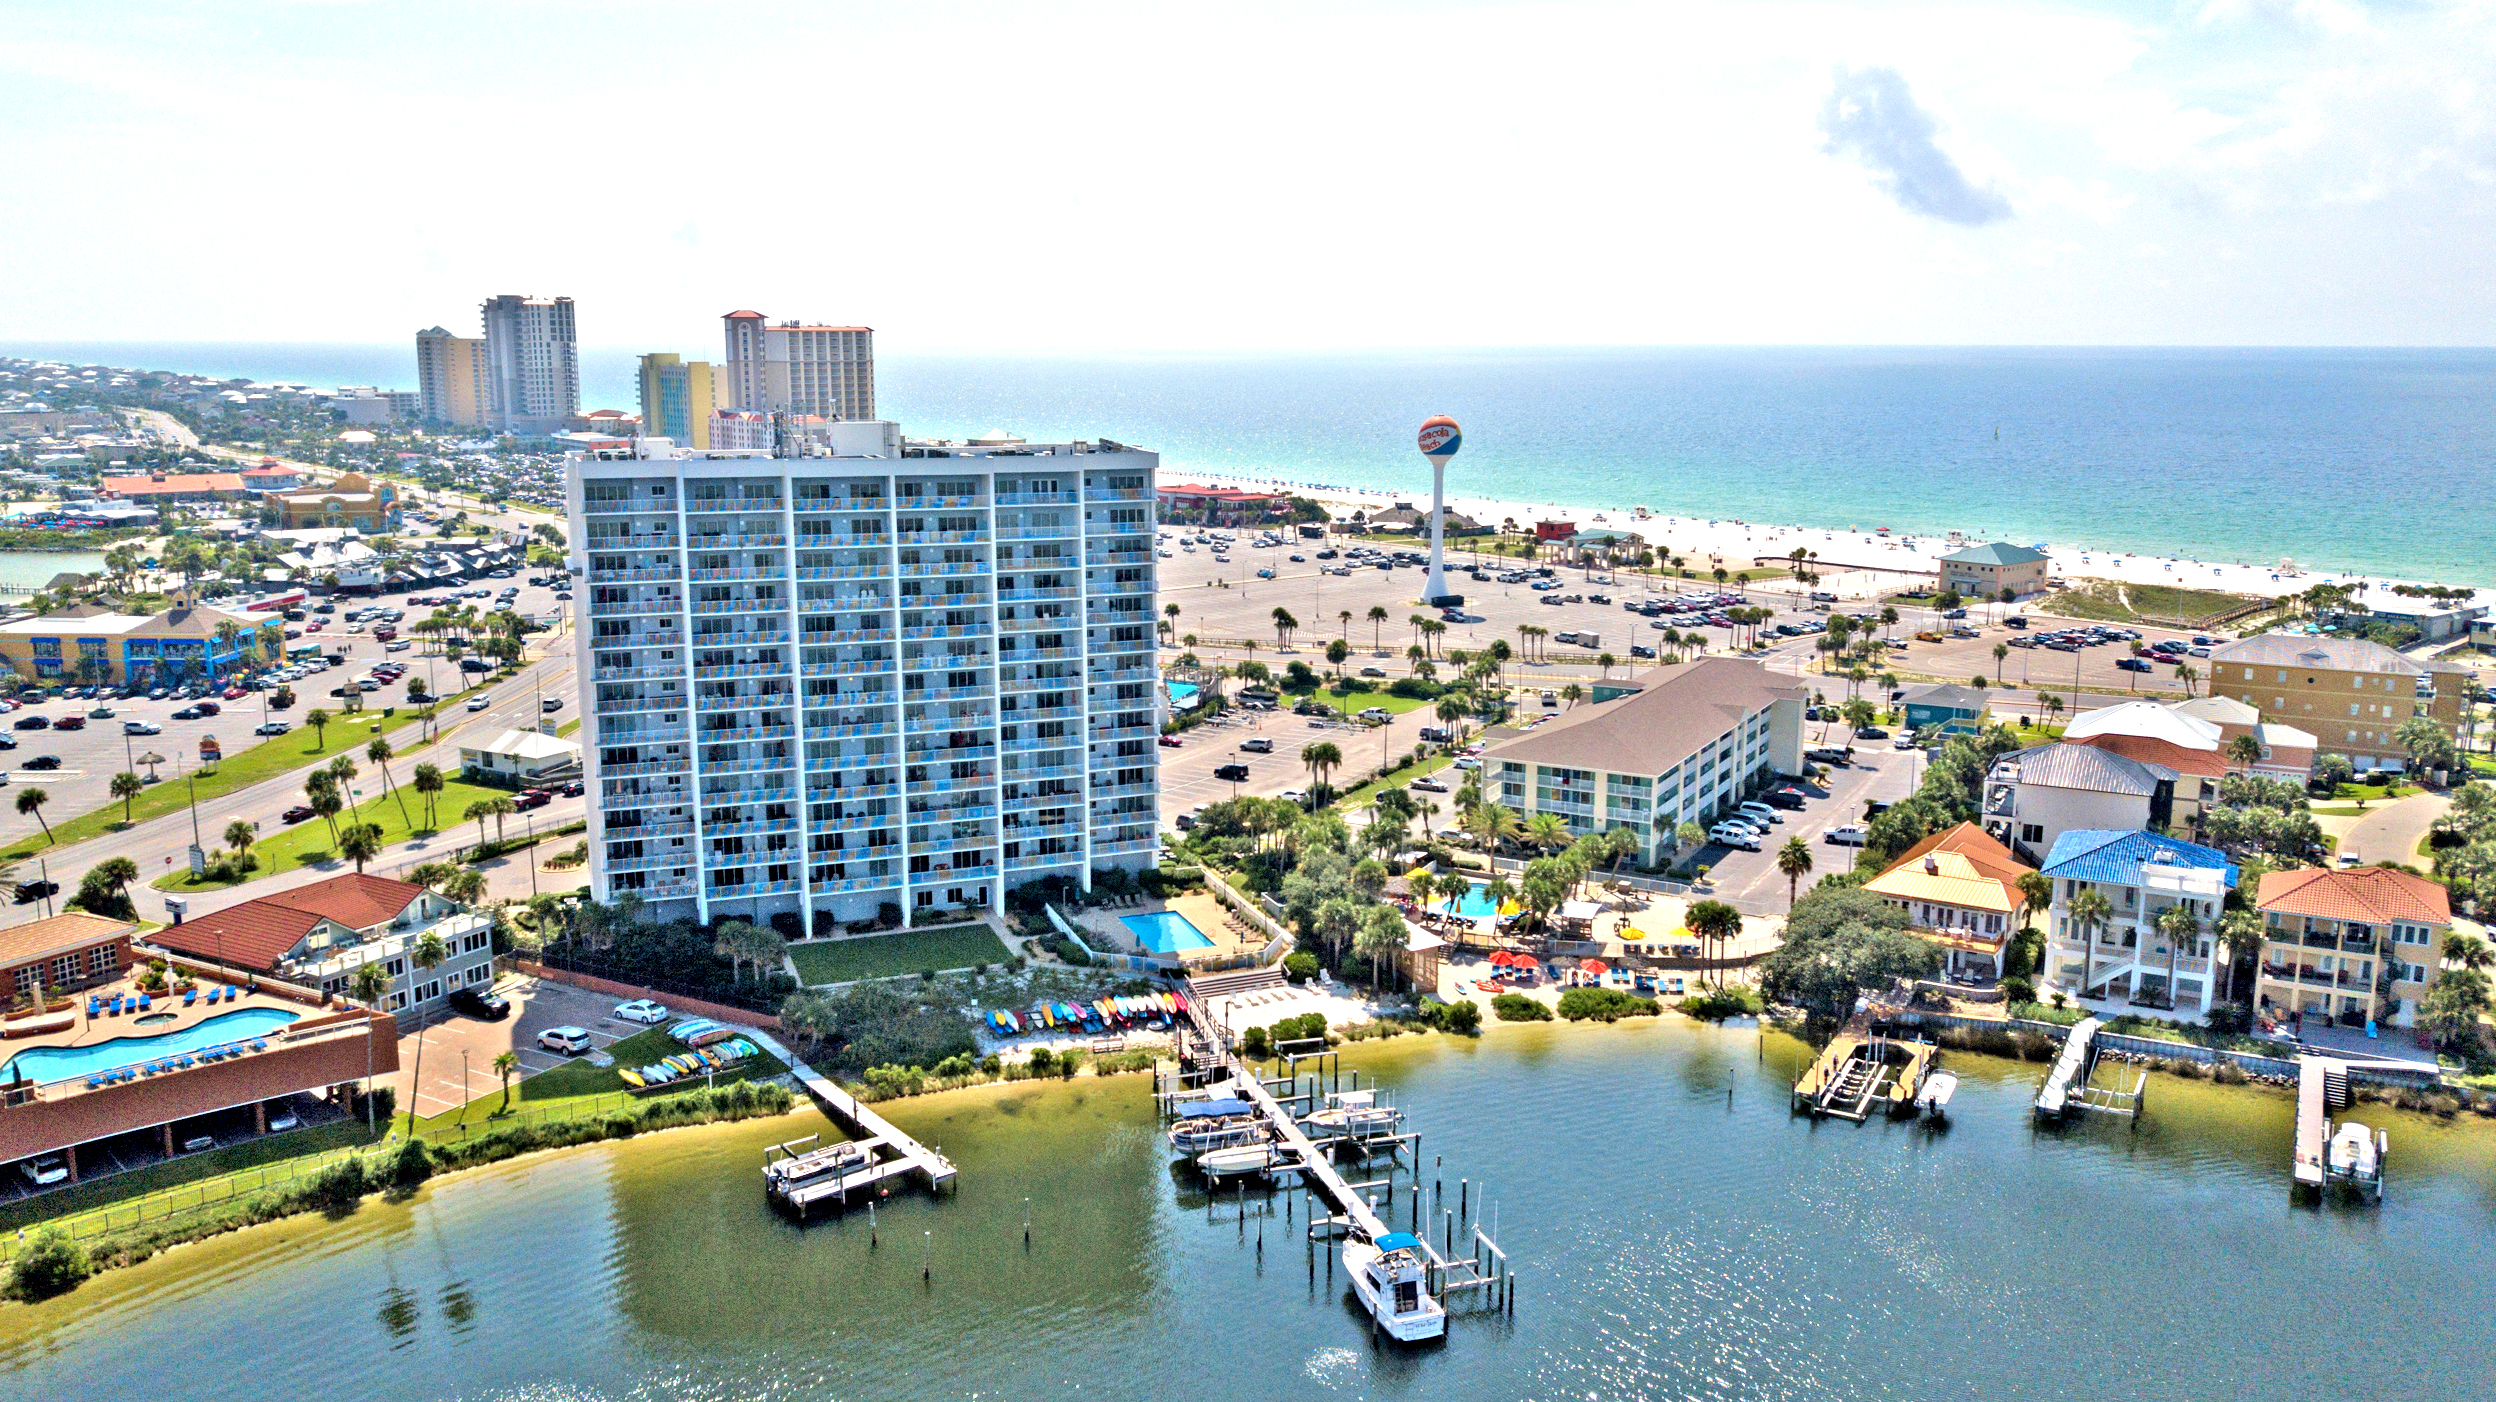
2347,946
161,488
319,935
1960,890
353,502
1221,506
1984,571
1674,745
89,643
2125,957
2353,696
67,952
520,759
1938,705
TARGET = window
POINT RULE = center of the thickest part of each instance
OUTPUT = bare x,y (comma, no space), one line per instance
429,992
101,960
2031,832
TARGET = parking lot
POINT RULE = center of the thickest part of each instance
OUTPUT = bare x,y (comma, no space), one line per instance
459,1050
1750,881
100,747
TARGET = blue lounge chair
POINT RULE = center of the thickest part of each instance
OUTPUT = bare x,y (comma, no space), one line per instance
189,996
259,1044
94,1081
186,1062
94,1006
231,992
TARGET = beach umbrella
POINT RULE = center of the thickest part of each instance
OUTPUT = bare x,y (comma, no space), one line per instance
1593,966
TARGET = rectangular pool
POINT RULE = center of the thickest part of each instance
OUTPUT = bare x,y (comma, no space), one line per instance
1165,932
41,1064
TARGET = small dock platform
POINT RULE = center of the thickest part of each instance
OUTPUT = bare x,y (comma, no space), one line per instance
2348,1153
2070,1070
886,1154
1861,1071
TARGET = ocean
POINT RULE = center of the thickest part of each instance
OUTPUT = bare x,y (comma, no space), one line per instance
2336,459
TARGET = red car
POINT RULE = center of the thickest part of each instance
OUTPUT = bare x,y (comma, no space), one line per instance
312,627
1170,742
527,799
70,722
207,708
234,693
295,814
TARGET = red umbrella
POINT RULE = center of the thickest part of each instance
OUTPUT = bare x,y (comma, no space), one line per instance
1501,958
1593,966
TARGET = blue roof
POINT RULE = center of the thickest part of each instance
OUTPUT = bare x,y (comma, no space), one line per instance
1399,1241
2116,855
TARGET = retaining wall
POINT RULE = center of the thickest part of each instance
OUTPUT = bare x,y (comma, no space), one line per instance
721,1012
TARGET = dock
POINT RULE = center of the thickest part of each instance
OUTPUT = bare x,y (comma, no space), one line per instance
2323,1088
889,1153
1206,1059
2055,1096
1862,1070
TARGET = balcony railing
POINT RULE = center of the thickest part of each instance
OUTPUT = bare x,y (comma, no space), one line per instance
713,576
946,569
1035,498
830,636
621,608
644,575
845,572
735,542
937,503
862,667
637,674
739,669
752,888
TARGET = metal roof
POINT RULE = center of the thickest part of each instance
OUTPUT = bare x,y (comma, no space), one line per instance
2116,857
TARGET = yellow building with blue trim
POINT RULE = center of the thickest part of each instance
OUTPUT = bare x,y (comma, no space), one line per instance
87,644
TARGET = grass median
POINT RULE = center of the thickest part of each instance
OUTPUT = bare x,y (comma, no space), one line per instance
309,843
901,952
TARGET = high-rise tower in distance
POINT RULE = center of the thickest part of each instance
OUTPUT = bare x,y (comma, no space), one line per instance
532,362
791,368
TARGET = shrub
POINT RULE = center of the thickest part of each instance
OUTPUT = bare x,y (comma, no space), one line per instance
2019,990
1305,1027
51,1265
1300,966
338,1186
1604,1004
413,1164
1516,1007
2230,1019
1254,1045
1717,1004
1042,1059
1462,1017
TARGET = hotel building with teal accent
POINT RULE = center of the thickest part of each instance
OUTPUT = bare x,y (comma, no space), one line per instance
87,644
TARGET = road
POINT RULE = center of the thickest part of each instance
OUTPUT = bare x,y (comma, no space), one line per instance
2391,832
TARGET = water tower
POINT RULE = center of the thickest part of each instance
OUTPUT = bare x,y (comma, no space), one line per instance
1440,438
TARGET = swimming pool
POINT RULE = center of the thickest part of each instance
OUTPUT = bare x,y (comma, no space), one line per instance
1475,905
1165,932
69,1063
1182,695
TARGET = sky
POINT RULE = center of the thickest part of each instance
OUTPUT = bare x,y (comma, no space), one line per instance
1164,177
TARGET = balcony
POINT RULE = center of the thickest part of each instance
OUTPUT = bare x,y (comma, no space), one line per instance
1034,832
752,888
1121,790
817,507
1117,494
984,781
1035,498
674,857
646,575
1029,623
681,764
1018,596
1035,532
715,607
1041,714
855,793
753,828
623,608
744,637
924,631
1119,557
941,537
950,693
860,730
713,576
843,540
739,669
833,636
937,503
862,667
637,674
1028,744
819,572
888,882
1125,847
656,827
1008,657
735,542
624,544
636,705
951,754
946,569
737,734
956,875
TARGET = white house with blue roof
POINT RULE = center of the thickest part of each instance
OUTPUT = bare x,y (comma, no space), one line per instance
2126,958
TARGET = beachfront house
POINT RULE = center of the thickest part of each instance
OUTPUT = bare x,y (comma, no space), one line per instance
2119,953
1984,571
2346,946
2195,737
2034,796
1960,890
1671,745
317,936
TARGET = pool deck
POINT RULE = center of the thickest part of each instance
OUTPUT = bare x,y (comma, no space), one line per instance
84,1031
1210,917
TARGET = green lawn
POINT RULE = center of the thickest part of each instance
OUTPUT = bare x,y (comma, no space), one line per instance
901,952
1353,703
308,843
240,769
565,730
1361,795
574,1086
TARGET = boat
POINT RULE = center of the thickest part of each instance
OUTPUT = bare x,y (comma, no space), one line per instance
2355,1156
791,1173
1387,1276
1216,1124
1263,1156
1933,1099
1355,1112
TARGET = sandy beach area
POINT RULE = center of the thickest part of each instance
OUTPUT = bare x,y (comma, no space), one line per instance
1859,562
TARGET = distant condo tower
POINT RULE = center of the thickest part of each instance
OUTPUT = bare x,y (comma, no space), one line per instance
453,385
1439,440
532,363
825,371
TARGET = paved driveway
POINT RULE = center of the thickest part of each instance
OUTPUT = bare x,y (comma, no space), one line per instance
1750,881
459,1050
2391,832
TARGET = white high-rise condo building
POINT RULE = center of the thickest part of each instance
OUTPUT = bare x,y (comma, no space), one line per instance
533,366
826,371
901,673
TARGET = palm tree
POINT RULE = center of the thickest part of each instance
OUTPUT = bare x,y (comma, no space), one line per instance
429,785
379,752
2185,673
2001,652
2090,910
2244,751
1321,758
480,810
1381,937
1548,831
1793,863
2180,925
1572,694
2241,933
320,793
504,1064
31,801
1607,662
1284,623
1377,620
1715,923
466,886
318,719
239,835
425,956
360,843
126,786
2036,892
734,939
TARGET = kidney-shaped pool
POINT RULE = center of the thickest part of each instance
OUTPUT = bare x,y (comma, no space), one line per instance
69,1063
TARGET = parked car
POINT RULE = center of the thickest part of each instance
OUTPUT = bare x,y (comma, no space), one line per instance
275,727
141,727
283,1120
1168,742
1734,835
642,1010
1373,672
34,723
1429,785
487,1003
44,1170
101,713
478,703
1258,745
527,799
1235,773
1760,813
574,789
570,1041
70,722
1871,732
43,762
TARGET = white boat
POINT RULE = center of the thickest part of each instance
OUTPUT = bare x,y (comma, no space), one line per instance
1261,1157
1355,1112
1933,1098
1387,1276
1216,1124
2352,1152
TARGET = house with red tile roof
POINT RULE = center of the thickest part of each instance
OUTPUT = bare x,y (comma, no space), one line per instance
2350,945
1960,890
319,936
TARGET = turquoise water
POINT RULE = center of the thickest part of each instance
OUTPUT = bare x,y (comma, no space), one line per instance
1165,932
68,1063
1475,905
2216,454
1182,694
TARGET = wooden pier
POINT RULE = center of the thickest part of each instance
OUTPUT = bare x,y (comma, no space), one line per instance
888,1153
2322,1088
2078,1056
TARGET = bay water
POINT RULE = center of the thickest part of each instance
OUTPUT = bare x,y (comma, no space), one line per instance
1678,1235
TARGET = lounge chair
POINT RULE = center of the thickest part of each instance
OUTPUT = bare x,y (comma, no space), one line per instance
259,1044
94,1081
189,996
